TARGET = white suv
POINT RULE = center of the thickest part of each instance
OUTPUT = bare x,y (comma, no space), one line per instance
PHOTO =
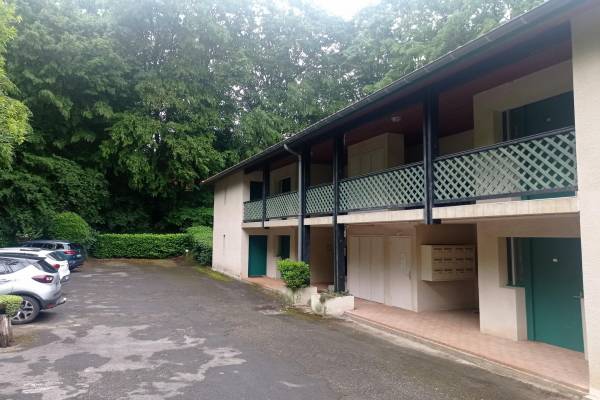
56,259
35,281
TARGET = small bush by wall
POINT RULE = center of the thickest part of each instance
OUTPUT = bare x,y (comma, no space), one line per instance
201,241
70,226
141,245
295,274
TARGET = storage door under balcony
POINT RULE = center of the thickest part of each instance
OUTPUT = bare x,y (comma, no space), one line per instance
379,269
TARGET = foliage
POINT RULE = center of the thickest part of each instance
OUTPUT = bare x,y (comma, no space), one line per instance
397,37
201,242
140,245
71,227
133,103
190,216
10,304
40,186
295,274
13,113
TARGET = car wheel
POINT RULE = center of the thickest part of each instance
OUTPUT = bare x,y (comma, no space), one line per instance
30,308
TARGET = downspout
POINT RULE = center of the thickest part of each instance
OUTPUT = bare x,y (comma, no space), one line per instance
300,194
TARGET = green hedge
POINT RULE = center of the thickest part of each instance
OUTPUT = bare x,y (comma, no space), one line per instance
295,274
10,304
201,239
141,245
70,226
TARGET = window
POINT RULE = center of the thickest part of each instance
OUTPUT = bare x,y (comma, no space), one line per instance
256,189
283,248
285,185
542,116
515,261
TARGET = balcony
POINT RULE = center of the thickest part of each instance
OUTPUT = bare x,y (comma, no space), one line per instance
541,164
282,205
536,165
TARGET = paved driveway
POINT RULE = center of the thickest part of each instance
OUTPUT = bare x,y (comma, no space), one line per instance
135,330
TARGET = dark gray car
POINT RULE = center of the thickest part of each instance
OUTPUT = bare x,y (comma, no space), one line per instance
75,252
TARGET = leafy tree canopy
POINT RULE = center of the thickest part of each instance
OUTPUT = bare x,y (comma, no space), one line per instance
132,102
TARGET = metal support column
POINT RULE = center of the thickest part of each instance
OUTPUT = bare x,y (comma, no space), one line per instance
430,149
266,183
339,239
304,183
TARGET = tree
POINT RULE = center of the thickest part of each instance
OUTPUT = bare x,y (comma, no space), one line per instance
395,37
13,113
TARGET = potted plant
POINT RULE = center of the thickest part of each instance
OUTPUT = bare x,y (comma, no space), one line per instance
9,306
296,276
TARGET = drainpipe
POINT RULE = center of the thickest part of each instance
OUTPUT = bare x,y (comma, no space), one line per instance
300,194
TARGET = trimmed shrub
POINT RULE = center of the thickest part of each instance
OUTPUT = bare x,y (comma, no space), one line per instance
201,241
10,304
295,274
71,227
140,245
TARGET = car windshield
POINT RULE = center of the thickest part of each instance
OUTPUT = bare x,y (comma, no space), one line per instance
58,255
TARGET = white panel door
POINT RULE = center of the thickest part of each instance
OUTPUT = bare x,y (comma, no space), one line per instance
364,267
353,265
377,275
398,276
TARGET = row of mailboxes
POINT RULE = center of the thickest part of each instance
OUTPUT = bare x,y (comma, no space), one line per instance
447,262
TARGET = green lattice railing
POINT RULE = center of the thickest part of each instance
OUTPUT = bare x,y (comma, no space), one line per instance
542,163
319,199
253,211
282,205
393,188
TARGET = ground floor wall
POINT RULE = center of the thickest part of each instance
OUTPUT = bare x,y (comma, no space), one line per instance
445,295
502,307
273,248
392,254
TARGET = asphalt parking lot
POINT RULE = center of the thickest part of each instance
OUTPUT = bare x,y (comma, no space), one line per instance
157,330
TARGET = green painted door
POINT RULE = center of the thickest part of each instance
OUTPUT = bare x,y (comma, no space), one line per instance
554,291
257,255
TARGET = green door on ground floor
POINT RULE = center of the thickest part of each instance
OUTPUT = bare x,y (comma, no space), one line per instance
257,255
554,289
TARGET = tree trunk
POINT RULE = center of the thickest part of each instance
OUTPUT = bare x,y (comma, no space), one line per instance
5,331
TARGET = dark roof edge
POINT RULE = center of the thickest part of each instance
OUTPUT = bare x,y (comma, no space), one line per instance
535,15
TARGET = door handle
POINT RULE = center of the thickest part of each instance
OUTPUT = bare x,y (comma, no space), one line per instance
580,296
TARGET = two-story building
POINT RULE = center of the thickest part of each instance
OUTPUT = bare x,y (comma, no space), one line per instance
470,183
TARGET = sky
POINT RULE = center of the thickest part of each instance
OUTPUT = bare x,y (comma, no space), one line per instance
344,8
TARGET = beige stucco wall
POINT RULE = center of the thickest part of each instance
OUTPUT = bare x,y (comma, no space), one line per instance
230,243
586,82
444,295
502,308
489,105
456,143
287,171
